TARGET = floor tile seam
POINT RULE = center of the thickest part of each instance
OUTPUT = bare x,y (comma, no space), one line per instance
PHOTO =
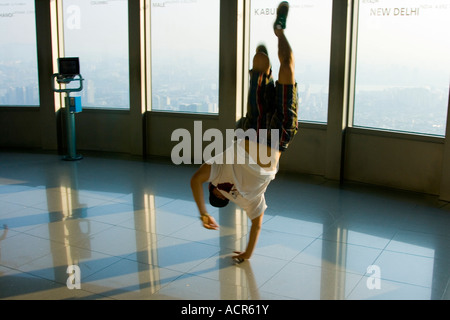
45,210
120,259
393,280
47,253
218,281
286,262
423,233
203,260
362,245
385,249
443,204
110,225
415,255
27,232
92,293
274,275
296,298
125,255
363,276
209,240
20,268
208,243
355,244
161,206
303,250
102,199
282,297
320,238
272,257
113,224
30,227
194,222
218,249
447,289
87,279
191,274
312,240
181,274
401,282
236,285
157,265
23,206
118,225
56,283
290,233
154,265
166,204
334,268
163,286
109,255
15,233
381,252
11,269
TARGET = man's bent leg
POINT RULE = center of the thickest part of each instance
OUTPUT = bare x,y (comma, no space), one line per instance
261,94
261,62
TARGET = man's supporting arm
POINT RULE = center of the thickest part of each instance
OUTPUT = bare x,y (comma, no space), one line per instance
255,230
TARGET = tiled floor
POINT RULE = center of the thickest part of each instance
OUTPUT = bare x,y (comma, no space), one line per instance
131,227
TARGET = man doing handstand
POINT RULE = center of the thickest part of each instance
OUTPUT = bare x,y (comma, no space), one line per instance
271,106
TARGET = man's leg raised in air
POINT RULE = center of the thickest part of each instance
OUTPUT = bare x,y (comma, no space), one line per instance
285,54
285,118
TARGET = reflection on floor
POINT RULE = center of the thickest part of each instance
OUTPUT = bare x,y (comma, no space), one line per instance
112,228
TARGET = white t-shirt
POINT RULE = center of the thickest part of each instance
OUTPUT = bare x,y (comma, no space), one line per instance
242,180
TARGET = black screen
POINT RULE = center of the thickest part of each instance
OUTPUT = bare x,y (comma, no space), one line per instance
69,67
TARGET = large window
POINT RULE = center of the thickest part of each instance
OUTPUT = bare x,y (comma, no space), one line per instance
97,33
403,65
309,34
185,55
18,55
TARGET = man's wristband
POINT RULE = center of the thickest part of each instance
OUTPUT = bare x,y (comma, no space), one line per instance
202,215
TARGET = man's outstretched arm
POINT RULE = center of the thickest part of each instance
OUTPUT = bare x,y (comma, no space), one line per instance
201,176
255,230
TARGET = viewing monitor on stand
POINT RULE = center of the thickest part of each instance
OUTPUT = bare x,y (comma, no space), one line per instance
69,71
68,68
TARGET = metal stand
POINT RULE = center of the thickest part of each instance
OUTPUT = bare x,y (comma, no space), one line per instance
69,115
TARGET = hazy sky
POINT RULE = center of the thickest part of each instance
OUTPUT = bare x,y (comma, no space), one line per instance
18,16
410,33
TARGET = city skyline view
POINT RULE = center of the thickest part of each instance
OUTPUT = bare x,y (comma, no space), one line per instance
403,69
402,65
185,55
18,54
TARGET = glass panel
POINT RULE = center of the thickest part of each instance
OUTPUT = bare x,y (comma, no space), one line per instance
97,33
18,56
403,65
309,34
185,55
